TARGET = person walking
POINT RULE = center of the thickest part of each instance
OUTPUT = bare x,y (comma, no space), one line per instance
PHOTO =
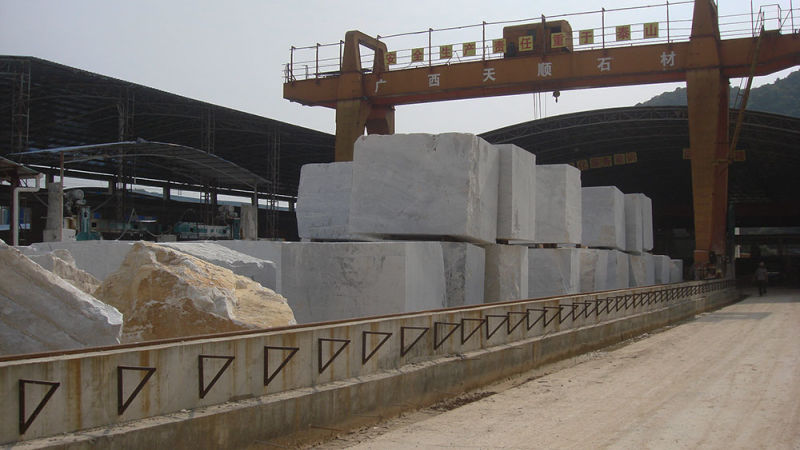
761,277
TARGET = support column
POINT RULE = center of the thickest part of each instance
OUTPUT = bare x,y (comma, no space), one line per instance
351,119
354,112
381,120
707,95
53,231
708,136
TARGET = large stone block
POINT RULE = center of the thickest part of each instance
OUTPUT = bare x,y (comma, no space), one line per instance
39,311
61,263
558,204
553,271
618,270
165,293
258,270
603,217
265,250
603,270
634,229
425,185
516,205
464,266
337,280
99,258
506,273
661,269
323,201
593,270
675,270
647,223
642,270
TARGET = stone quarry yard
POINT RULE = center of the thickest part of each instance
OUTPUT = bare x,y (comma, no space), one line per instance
727,379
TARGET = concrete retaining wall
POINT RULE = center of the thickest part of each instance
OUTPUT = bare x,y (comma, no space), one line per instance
385,364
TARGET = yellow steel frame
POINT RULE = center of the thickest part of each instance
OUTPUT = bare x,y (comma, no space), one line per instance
367,100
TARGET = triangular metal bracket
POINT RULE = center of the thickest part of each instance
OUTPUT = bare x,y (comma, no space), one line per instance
438,342
268,377
25,423
364,356
203,389
511,328
542,317
481,323
123,405
403,348
322,367
490,333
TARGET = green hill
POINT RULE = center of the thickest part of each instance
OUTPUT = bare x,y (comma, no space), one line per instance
780,97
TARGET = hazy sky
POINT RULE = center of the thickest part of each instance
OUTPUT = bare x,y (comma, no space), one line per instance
231,53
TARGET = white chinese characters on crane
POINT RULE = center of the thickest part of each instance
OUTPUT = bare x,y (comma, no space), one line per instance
545,69
489,74
378,84
604,64
667,59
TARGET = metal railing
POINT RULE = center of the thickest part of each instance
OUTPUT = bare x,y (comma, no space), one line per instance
609,28
122,383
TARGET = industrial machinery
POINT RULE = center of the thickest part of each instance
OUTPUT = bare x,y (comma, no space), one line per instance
538,38
196,230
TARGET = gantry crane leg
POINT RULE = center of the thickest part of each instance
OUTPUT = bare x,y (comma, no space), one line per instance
708,101
354,112
351,118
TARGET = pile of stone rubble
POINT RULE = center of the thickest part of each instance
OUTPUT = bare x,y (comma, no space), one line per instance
69,295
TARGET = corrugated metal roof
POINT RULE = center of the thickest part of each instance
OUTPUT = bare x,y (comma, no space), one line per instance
10,170
151,160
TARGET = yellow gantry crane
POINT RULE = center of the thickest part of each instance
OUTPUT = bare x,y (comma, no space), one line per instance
367,99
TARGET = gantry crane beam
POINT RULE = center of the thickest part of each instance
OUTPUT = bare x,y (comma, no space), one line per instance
367,99
520,75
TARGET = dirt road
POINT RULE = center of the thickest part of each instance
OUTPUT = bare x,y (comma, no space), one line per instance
728,379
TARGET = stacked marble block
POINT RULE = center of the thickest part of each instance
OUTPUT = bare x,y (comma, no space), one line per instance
429,221
603,265
429,206
639,239
620,223
554,269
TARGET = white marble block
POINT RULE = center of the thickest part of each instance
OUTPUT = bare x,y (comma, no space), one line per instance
516,203
618,270
642,270
425,185
558,204
337,280
323,201
99,258
463,273
594,270
261,271
675,270
553,271
264,250
39,311
634,234
506,273
647,223
661,268
603,217
603,270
